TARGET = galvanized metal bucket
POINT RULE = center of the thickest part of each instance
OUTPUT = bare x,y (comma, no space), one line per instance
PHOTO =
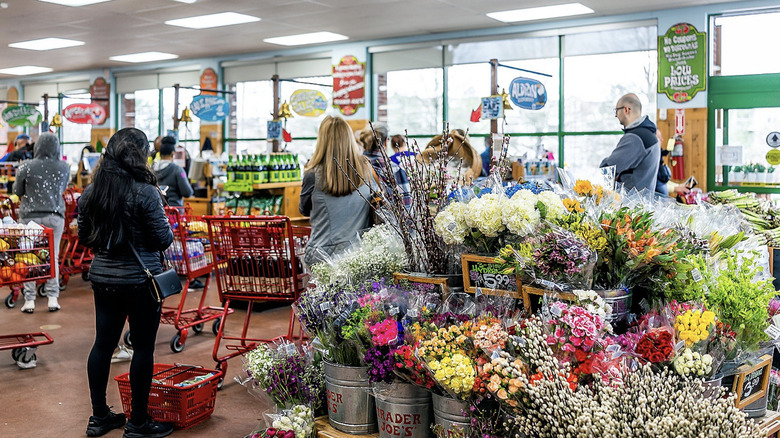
451,415
351,406
620,301
403,410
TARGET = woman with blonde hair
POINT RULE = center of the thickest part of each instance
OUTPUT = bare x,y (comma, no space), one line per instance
337,210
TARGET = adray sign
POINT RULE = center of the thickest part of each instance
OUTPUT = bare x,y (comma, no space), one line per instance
23,115
528,93
682,62
308,103
85,113
210,108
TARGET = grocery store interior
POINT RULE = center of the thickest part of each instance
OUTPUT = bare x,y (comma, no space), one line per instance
244,85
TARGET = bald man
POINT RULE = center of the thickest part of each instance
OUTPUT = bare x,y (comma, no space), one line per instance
638,153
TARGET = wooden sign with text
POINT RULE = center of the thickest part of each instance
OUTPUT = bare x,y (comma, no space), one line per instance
423,283
484,273
532,296
751,382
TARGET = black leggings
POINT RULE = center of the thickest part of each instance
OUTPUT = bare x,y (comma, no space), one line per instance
113,305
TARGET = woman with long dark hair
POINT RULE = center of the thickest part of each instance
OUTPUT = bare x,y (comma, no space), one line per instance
123,209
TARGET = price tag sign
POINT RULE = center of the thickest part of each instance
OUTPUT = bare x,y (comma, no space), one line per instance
696,275
773,331
325,306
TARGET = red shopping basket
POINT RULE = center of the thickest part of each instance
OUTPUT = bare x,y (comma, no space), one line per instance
173,398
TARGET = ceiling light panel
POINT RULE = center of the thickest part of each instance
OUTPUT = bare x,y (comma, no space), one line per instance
541,13
74,2
306,38
24,70
46,44
144,57
213,20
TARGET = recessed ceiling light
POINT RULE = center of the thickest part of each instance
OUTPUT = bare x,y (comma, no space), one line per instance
541,13
24,70
185,1
213,20
306,38
74,2
144,57
46,44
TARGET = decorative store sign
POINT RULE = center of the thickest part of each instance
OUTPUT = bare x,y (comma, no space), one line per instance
492,107
773,157
679,121
750,382
484,273
238,186
209,108
22,115
85,113
682,62
100,92
274,130
308,103
208,81
773,139
349,85
730,155
528,93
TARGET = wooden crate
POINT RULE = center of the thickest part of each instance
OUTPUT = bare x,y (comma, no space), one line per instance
770,424
325,430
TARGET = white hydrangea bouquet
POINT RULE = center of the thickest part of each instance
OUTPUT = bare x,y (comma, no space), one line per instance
485,223
299,419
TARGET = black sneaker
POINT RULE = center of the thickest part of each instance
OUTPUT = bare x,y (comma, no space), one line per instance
196,284
99,426
150,429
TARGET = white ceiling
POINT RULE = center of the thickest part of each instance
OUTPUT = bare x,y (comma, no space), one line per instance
129,26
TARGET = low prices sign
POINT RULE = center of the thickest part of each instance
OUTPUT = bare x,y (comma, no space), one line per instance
349,85
308,103
22,115
210,108
682,62
85,113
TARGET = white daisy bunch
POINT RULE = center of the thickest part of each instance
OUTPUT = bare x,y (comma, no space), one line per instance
520,215
450,223
257,363
485,214
299,419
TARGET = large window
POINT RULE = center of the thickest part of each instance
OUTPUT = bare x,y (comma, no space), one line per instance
740,44
189,133
141,110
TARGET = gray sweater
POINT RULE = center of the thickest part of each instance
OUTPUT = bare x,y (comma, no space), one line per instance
335,220
172,181
41,181
636,156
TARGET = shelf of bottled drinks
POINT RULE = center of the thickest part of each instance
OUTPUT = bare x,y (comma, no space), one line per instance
264,169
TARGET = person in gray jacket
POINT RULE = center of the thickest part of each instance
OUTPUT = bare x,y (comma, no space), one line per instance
40,183
170,177
638,153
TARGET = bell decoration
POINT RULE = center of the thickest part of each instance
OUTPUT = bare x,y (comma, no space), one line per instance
505,99
56,121
284,111
185,115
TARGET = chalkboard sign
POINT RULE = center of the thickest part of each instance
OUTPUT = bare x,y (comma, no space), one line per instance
774,266
532,296
484,273
422,283
750,382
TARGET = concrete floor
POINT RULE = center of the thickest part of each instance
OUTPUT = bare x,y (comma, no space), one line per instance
52,400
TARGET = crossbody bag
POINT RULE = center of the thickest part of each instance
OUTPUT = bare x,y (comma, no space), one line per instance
164,284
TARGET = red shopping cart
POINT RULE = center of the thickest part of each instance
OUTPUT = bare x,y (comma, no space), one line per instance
75,258
24,346
257,258
189,256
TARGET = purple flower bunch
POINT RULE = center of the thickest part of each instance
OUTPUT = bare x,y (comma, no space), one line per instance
380,362
560,255
284,380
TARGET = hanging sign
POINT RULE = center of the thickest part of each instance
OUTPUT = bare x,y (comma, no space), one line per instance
679,121
100,92
349,85
773,157
773,139
528,93
22,115
308,103
682,62
274,130
85,113
492,107
209,108
208,81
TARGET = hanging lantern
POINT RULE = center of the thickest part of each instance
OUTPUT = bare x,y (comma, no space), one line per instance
185,115
56,121
285,112
505,99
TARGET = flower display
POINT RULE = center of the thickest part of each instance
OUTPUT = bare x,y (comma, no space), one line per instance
380,362
502,375
299,419
274,433
586,189
485,213
450,223
410,368
520,215
692,363
553,205
455,373
562,258
694,326
655,346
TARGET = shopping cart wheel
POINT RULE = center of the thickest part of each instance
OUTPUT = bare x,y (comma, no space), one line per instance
221,366
177,346
126,338
41,291
24,358
85,275
10,302
16,353
197,328
214,327
63,283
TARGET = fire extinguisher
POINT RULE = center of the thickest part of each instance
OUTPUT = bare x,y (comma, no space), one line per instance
678,161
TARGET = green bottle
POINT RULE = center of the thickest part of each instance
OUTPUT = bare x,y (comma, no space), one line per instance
285,168
276,171
245,169
231,172
296,168
256,170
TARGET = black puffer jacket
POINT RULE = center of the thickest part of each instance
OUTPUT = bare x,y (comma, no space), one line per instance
145,216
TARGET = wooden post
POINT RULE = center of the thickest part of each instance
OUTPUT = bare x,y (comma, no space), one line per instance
277,84
46,107
176,107
493,92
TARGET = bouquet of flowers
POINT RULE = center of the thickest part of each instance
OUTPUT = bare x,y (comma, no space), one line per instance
445,353
575,335
299,419
273,433
655,346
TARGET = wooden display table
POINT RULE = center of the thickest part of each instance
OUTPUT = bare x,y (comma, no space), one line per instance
325,430
769,423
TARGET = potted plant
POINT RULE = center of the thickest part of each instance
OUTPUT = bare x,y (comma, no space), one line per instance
771,175
736,175
749,175
760,170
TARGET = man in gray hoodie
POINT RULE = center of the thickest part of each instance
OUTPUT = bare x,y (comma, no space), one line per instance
170,177
40,183
638,153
